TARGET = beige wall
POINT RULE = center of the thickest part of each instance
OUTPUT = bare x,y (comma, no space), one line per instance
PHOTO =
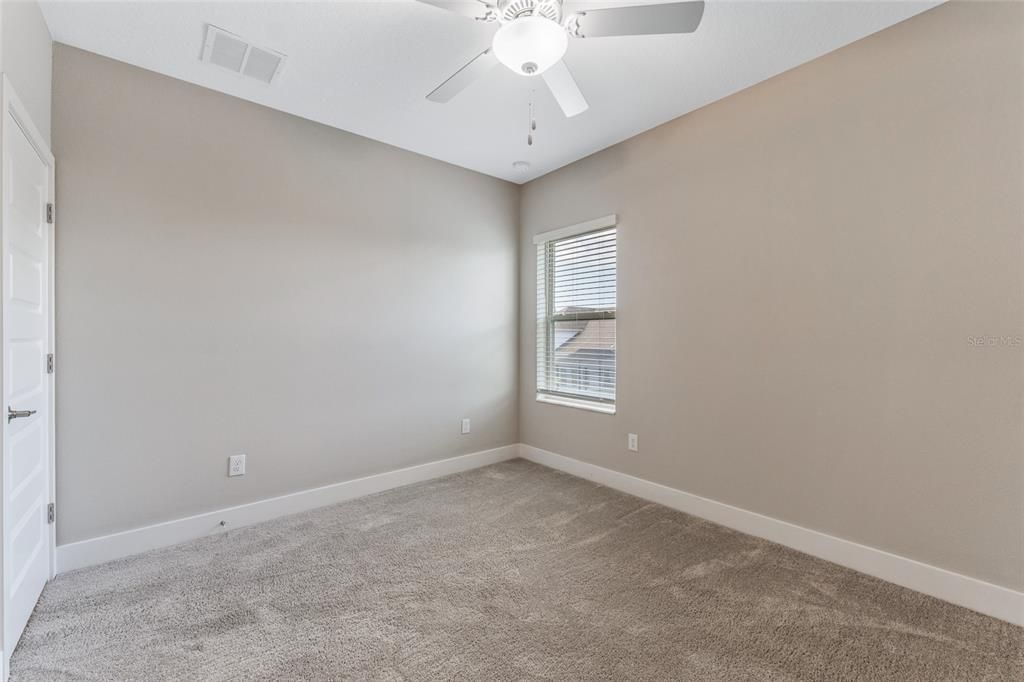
232,279
801,269
25,57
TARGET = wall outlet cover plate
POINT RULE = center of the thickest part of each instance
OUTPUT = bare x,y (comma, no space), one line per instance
236,465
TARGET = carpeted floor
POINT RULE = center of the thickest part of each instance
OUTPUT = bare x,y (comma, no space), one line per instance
512,572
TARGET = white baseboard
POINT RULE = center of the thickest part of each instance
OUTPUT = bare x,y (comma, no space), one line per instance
108,547
992,600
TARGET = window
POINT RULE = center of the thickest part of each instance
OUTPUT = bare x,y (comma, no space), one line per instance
576,275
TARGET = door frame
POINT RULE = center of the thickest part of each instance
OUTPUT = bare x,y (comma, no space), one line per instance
12,104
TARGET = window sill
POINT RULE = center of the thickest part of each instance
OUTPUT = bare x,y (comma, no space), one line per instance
603,408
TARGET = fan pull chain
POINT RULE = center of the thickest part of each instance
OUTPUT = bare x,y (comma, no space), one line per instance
533,123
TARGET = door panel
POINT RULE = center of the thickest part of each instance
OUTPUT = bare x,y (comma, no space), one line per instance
26,279
23,460
26,386
25,378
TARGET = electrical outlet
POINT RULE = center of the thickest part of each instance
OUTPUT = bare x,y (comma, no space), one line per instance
236,465
465,426
633,443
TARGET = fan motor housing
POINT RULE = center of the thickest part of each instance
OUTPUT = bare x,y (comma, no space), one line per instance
510,10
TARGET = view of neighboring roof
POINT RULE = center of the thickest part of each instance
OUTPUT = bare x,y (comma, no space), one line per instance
593,335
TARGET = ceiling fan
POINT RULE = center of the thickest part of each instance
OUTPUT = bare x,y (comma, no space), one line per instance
534,35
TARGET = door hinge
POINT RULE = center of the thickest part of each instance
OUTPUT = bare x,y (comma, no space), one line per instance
51,513
49,363
49,214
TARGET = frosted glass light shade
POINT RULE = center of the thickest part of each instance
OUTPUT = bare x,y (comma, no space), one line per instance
530,45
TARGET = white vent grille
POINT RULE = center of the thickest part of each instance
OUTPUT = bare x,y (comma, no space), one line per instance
235,54
262,64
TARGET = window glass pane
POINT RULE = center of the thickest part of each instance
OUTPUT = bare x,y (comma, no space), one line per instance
576,302
584,273
583,362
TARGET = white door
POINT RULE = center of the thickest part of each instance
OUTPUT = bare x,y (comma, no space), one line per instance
27,467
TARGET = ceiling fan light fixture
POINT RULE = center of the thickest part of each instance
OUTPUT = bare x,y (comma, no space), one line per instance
530,45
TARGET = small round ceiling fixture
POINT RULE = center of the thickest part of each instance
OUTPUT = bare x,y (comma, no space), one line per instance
530,45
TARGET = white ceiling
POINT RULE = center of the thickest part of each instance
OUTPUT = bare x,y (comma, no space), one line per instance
366,66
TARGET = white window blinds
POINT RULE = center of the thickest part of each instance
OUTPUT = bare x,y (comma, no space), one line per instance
576,279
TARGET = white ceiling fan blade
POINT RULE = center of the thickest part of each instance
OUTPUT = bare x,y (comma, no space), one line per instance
563,87
474,9
675,17
461,79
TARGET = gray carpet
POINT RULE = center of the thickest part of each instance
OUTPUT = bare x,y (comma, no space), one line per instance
512,572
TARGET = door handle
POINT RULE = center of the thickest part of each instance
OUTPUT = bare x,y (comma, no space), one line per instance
17,414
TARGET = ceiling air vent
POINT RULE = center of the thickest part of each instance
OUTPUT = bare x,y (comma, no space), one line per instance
235,54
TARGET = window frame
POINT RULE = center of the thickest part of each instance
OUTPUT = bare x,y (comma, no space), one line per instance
543,240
